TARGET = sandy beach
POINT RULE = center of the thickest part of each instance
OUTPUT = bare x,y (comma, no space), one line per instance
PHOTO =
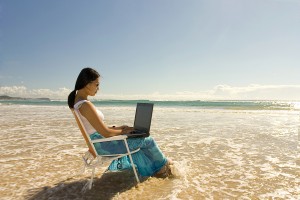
218,154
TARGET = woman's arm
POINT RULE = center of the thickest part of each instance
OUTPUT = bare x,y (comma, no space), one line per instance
89,111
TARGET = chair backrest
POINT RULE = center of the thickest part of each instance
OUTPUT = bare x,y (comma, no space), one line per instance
83,131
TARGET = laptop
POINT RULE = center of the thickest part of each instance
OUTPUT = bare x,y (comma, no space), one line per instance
142,120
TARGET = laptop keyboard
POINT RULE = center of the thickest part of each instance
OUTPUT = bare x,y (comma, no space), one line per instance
136,132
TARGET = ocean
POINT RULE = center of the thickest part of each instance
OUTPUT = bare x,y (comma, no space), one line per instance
220,149
246,105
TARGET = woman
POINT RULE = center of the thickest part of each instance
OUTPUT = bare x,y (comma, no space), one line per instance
150,161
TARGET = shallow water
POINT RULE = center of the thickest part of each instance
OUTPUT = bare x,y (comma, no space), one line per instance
218,154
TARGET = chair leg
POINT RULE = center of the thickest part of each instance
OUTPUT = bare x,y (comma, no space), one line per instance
132,164
92,178
83,169
134,170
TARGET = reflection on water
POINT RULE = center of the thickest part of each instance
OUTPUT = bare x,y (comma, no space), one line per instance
218,154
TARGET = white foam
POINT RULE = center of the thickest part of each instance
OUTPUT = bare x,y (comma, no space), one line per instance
278,193
272,159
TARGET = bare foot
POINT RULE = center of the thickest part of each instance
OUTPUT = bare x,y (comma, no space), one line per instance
165,171
170,162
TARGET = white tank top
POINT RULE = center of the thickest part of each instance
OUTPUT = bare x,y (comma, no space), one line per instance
89,128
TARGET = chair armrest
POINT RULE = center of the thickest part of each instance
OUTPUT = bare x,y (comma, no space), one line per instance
114,138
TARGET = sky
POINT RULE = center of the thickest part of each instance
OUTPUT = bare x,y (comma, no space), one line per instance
152,49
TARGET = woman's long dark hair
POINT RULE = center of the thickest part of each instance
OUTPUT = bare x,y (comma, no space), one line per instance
86,76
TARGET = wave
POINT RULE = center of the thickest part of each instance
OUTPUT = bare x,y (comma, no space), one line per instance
231,105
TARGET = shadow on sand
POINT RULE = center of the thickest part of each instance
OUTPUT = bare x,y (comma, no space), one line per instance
105,187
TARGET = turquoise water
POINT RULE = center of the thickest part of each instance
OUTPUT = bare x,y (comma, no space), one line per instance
240,105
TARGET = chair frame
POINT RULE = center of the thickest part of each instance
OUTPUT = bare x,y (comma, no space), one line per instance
92,159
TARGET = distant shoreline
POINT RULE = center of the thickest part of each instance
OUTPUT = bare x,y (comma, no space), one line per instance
6,97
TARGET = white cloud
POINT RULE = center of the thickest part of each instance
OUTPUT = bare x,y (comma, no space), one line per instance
13,91
219,92
224,92
22,91
257,92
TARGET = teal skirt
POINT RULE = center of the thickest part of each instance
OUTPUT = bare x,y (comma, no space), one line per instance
148,160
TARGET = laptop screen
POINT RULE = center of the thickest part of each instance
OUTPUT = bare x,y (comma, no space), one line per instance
143,116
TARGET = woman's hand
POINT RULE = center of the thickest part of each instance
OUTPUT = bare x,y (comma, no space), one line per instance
127,130
123,127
